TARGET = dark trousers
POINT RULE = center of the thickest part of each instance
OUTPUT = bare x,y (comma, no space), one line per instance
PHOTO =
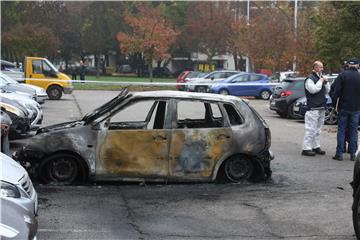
347,123
82,77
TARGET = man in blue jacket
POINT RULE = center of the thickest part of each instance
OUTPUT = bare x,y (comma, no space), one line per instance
346,98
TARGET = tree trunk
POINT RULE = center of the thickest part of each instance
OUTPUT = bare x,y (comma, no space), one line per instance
236,61
150,72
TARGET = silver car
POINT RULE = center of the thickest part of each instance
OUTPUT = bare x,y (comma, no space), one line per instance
16,185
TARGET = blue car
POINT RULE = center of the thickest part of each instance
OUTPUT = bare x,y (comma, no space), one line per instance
245,84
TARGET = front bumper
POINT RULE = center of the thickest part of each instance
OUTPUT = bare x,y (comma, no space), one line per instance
41,98
68,90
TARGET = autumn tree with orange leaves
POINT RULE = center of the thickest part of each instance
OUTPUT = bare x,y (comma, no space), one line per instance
149,34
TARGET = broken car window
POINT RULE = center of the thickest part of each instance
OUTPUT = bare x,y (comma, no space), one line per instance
197,114
233,115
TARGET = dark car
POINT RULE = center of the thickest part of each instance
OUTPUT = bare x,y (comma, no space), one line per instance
356,195
18,115
300,108
244,84
155,136
159,72
285,95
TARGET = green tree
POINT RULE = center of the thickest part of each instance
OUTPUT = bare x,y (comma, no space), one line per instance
338,32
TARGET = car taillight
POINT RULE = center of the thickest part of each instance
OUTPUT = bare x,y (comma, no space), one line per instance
286,93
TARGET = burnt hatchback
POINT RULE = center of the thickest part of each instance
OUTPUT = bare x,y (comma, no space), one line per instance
154,136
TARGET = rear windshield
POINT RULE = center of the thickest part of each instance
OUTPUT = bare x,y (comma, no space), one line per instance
287,84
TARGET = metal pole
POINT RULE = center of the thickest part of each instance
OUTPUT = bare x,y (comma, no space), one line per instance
248,23
295,31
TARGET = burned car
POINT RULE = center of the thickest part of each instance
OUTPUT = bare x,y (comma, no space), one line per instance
154,136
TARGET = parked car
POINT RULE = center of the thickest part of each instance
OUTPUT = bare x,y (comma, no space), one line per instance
300,108
5,123
126,68
16,222
280,76
159,72
5,85
356,195
154,135
244,84
203,83
34,112
16,185
285,95
41,94
184,77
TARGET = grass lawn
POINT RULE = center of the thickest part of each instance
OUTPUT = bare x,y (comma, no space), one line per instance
109,83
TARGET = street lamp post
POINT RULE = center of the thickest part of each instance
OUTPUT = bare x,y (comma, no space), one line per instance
295,31
248,24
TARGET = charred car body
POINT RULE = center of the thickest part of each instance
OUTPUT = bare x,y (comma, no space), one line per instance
154,136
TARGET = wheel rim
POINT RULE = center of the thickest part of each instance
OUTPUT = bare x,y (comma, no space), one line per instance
224,92
55,93
238,169
265,95
62,169
330,116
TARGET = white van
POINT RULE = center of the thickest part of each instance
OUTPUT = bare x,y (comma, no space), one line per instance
15,184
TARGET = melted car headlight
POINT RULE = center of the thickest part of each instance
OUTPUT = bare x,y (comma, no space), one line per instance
9,190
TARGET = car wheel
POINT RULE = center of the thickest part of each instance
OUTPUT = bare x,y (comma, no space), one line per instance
54,92
331,117
356,213
265,94
201,89
238,168
291,113
60,168
224,92
281,114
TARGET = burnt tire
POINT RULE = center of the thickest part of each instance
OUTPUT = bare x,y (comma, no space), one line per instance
238,168
62,168
356,213
265,94
54,92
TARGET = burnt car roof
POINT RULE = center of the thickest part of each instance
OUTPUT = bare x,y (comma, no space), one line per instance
186,95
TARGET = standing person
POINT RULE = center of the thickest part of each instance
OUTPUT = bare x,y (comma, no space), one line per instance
82,71
316,88
346,98
73,72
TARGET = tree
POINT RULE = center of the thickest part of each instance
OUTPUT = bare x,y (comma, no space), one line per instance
338,32
99,27
208,27
149,34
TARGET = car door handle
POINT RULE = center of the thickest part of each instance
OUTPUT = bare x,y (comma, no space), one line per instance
159,138
222,137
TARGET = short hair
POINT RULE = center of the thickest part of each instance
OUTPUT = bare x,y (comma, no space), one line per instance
316,63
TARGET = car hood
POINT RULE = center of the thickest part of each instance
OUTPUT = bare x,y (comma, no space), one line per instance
10,171
20,88
112,105
39,90
60,126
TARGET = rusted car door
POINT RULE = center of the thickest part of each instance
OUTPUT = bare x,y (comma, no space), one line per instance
199,139
135,144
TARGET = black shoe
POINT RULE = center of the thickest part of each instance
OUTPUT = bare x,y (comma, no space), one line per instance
319,151
337,157
352,158
309,153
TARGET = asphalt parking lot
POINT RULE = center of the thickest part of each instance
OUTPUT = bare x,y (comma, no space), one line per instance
306,198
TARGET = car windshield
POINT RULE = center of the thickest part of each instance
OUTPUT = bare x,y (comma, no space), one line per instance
194,74
51,66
